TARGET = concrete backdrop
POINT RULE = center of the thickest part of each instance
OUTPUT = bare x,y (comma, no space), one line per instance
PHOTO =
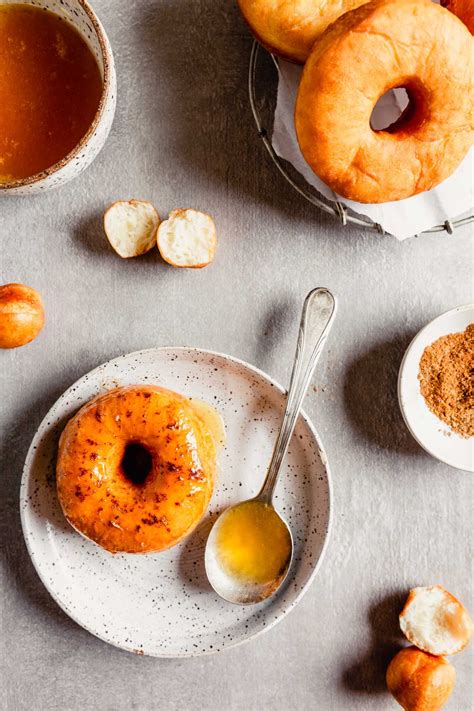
184,136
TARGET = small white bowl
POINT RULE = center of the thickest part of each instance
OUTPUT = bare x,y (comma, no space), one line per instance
428,430
81,16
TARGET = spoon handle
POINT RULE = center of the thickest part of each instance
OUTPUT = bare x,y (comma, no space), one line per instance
317,318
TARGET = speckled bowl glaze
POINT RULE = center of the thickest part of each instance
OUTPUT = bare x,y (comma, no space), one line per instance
81,16
162,604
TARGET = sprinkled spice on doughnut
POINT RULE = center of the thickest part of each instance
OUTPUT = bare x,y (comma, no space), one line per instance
447,380
120,478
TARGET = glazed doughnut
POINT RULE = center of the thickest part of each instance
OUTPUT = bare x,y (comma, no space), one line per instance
289,28
385,44
136,469
464,9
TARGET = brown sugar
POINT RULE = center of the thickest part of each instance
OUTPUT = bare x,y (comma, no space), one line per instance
447,380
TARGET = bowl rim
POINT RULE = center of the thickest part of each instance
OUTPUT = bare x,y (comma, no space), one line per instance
107,58
403,377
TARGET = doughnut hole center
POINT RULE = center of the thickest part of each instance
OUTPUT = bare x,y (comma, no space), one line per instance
136,463
393,108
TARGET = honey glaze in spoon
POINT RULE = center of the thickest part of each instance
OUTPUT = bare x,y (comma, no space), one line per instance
250,547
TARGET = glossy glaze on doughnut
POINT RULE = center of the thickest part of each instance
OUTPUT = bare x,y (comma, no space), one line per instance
95,490
385,44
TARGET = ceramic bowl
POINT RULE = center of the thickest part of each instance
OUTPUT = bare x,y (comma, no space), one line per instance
430,432
81,16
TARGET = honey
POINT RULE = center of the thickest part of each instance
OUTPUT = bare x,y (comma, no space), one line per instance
253,543
212,419
50,90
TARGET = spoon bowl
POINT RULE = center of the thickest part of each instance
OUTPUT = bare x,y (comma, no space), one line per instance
258,571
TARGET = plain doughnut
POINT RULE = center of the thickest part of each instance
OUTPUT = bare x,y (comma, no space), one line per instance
289,28
382,45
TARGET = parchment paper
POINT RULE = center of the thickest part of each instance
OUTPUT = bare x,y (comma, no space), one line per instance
403,218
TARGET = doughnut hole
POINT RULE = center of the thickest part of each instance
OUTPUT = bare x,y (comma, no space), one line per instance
136,463
389,108
400,109
21,315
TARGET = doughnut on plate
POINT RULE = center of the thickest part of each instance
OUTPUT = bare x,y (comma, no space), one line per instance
429,431
162,604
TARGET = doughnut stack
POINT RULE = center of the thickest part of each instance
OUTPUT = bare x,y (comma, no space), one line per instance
353,54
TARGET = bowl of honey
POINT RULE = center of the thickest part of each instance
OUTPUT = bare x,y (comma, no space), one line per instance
57,92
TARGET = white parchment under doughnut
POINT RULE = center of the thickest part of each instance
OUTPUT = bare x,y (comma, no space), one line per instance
404,218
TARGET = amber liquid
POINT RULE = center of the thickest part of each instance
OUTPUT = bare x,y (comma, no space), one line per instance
212,419
253,543
50,90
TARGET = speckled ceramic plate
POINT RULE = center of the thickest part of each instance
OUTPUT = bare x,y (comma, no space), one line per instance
429,431
162,604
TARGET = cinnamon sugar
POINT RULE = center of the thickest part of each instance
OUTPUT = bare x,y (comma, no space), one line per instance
447,380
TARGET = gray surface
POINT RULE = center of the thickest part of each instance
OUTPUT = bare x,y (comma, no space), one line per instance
184,136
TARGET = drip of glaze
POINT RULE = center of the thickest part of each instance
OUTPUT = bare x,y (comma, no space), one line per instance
211,419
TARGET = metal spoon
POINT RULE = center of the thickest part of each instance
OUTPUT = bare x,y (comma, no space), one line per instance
317,318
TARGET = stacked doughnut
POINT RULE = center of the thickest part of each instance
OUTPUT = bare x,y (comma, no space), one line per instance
354,53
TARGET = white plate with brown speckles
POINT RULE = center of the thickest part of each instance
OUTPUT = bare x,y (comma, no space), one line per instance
162,604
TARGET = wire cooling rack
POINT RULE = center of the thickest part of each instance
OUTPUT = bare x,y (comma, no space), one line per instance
338,209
